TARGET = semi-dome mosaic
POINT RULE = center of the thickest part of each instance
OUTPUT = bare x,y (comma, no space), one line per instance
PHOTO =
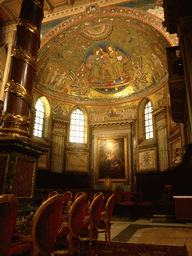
103,55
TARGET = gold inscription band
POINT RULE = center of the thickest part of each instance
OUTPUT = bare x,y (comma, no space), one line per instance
19,90
20,53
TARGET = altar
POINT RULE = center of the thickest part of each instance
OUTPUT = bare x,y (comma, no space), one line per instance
183,207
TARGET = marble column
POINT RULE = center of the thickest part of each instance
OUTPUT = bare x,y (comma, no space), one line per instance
18,153
16,115
161,128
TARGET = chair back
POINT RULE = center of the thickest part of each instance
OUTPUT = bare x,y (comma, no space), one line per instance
79,194
109,206
67,196
76,215
95,210
53,193
46,223
8,215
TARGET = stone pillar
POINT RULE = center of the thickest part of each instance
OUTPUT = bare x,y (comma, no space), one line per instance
18,154
16,115
161,127
58,138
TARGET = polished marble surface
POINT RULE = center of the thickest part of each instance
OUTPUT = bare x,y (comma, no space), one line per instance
133,231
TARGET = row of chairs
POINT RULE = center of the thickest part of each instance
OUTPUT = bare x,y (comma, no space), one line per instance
49,235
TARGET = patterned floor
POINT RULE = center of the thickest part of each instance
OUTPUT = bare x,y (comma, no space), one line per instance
152,232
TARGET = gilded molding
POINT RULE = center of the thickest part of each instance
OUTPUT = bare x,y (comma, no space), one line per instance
20,53
16,119
19,90
28,26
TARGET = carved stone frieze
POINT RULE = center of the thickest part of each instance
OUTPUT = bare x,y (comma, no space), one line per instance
19,90
20,53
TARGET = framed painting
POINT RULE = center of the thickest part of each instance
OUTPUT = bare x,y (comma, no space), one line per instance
77,161
111,159
147,159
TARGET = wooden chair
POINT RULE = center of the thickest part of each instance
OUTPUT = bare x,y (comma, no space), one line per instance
89,231
105,223
8,216
44,229
68,237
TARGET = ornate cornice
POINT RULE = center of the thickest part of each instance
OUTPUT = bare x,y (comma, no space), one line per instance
19,90
21,53
113,123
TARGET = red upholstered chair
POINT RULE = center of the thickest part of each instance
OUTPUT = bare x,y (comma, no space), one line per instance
105,223
89,231
53,193
68,237
8,216
44,229
79,194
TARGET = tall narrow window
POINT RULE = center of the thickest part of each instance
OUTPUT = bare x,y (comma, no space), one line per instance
148,121
39,119
77,127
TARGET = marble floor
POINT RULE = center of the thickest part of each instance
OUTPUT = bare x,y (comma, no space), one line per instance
152,232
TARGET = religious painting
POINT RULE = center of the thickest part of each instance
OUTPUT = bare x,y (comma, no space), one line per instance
176,152
147,160
111,159
77,161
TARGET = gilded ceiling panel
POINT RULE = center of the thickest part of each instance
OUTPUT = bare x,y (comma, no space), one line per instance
102,57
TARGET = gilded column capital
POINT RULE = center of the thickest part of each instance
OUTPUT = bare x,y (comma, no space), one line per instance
19,90
21,53
160,114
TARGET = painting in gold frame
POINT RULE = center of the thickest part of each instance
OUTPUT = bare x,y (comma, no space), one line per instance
111,159
77,161
147,159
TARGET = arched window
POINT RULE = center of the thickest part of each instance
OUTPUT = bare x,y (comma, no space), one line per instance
148,121
78,127
39,119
